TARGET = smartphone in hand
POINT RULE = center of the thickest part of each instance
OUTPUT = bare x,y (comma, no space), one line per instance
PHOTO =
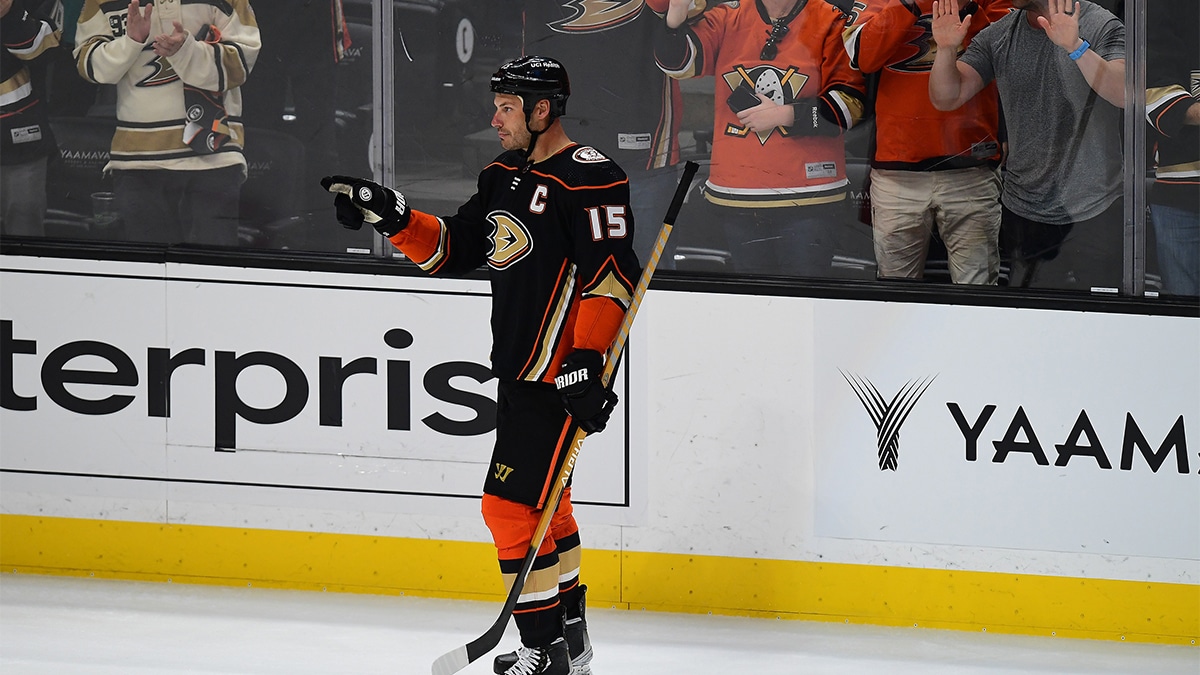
743,97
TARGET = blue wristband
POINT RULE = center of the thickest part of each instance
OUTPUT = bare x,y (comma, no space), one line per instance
1079,52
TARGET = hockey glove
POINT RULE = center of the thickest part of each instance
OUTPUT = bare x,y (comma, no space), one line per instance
359,200
586,399
810,121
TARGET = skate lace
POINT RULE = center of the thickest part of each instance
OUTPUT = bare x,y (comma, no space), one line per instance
529,661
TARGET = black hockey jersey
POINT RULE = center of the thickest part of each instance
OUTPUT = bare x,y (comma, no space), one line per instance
557,240
23,123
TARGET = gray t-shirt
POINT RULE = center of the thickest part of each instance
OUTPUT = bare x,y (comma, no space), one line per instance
1064,163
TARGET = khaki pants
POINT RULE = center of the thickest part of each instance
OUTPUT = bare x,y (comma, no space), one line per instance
964,206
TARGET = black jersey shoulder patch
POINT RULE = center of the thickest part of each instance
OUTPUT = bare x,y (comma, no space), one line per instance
589,155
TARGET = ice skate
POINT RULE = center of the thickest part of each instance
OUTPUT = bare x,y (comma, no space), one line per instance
549,660
579,646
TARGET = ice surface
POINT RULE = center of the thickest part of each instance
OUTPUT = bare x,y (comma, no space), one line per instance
69,626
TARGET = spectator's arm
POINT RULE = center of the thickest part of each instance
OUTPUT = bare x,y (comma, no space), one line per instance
221,59
844,98
677,12
25,36
872,40
679,49
1169,108
1169,104
951,82
103,54
1105,76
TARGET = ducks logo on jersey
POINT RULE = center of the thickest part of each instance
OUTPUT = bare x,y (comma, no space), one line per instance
510,240
781,86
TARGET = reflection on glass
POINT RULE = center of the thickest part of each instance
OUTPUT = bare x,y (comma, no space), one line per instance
307,111
176,151
1173,113
1060,77
291,114
778,182
934,173
25,141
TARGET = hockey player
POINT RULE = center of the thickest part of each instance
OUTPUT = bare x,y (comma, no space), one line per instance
551,220
622,102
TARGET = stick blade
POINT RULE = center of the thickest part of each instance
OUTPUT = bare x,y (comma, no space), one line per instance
451,662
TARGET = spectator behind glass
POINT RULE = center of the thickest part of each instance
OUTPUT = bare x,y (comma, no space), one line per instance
67,93
176,155
1172,90
930,168
621,103
27,141
302,43
785,95
1060,71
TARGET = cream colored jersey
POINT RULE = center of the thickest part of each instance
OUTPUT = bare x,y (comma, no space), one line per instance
152,107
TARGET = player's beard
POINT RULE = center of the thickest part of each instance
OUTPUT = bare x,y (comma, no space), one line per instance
517,139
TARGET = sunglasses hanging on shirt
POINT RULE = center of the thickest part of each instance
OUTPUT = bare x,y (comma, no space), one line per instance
779,28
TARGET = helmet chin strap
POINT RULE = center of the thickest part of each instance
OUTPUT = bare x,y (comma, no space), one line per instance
533,136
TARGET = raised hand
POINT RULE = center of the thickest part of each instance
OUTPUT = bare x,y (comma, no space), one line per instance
138,24
949,31
1061,23
677,13
169,45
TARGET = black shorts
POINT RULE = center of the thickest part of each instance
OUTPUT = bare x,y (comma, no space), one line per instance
533,434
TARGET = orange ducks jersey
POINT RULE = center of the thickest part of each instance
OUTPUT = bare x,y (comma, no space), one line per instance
895,38
778,167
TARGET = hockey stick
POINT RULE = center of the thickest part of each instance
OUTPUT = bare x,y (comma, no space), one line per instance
454,661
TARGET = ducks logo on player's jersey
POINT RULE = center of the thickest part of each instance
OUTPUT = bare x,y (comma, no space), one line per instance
781,86
510,240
